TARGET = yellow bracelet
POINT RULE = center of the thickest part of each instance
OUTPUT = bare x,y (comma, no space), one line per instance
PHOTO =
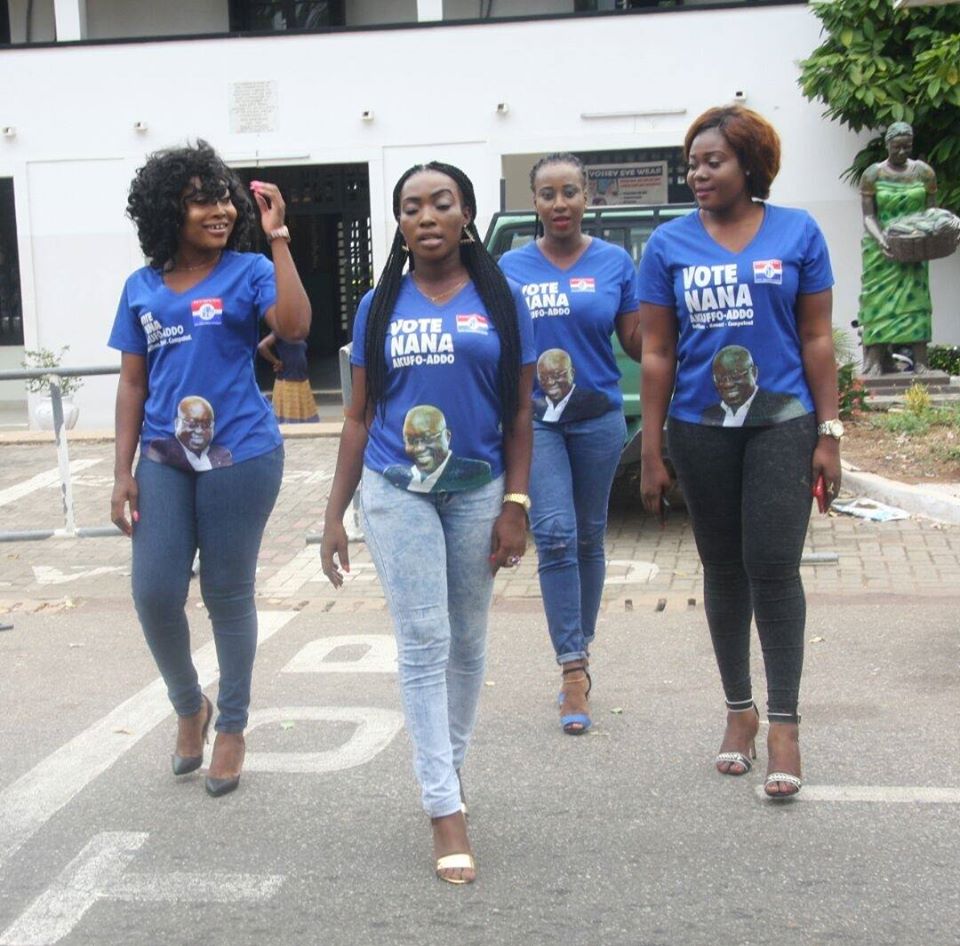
521,498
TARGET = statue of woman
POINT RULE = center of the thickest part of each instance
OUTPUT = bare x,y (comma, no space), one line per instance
895,305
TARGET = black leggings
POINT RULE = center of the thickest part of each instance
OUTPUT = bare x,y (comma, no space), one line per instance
748,493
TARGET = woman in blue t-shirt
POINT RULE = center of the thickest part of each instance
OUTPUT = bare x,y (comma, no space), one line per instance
736,323
293,400
211,456
579,290
439,431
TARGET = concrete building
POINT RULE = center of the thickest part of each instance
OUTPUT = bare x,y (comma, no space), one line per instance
335,111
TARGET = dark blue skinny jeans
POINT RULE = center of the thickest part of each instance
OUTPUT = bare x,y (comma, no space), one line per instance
221,512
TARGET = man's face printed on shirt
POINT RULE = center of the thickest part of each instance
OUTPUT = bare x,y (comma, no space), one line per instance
555,374
194,427
426,438
735,376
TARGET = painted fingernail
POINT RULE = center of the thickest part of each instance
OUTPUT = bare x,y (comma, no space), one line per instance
136,517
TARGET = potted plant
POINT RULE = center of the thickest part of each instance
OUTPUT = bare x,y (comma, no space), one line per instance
43,409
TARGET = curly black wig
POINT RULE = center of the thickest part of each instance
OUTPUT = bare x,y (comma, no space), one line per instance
155,202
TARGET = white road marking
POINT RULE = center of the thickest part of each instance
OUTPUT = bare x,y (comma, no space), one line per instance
375,729
886,794
48,575
98,873
305,567
637,573
78,887
27,804
380,655
41,481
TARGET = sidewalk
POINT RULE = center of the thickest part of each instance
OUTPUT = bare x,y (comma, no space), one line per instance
649,569
940,501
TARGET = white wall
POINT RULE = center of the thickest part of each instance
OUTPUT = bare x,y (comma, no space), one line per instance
433,92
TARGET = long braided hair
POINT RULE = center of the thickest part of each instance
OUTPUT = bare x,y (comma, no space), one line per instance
558,157
491,286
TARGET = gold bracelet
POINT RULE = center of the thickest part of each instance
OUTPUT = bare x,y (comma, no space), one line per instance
520,498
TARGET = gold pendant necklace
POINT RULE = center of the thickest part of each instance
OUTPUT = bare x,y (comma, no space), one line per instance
442,295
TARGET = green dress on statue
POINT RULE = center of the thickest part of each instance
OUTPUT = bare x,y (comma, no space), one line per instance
895,304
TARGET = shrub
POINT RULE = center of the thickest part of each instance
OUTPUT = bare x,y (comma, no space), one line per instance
852,394
944,358
916,399
44,358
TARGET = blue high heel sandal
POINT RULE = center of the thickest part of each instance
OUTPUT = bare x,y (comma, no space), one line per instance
575,724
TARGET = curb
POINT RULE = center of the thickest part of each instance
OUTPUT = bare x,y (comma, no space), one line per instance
939,501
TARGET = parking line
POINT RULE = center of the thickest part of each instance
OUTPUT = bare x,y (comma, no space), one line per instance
887,794
42,480
27,804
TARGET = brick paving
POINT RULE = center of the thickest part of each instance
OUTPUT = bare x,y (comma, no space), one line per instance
649,567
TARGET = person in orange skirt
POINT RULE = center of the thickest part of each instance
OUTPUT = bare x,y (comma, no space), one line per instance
293,401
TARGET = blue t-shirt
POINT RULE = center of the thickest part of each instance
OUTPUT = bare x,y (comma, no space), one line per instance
294,358
738,348
574,311
440,431
203,409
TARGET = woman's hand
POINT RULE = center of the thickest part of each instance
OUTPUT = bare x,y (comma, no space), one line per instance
272,207
826,460
654,483
509,540
334,543
125,493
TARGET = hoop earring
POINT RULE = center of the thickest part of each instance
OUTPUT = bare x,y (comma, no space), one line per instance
466,238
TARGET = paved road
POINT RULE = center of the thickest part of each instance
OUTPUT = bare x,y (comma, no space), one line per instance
625,836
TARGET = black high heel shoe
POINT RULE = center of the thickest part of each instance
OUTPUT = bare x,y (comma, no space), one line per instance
223,786
185,764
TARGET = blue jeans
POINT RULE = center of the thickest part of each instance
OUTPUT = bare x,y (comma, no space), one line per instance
221,512
570,480
432,555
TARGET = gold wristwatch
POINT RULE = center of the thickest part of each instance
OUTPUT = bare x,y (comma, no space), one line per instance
521,498
831,428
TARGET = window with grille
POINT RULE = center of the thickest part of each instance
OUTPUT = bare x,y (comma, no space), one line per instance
281,15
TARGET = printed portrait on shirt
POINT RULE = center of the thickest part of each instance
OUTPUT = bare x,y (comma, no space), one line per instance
564,399
743,403
434,468
191,447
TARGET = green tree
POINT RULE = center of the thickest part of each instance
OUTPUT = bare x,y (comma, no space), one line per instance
879,65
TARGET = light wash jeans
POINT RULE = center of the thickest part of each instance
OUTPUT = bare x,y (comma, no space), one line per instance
570,480
432,555
222,513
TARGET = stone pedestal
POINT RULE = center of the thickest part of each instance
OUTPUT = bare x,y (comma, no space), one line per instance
893,385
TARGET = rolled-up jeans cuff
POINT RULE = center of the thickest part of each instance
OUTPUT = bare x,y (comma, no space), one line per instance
574,655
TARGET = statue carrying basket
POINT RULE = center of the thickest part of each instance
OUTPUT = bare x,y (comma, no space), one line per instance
925,235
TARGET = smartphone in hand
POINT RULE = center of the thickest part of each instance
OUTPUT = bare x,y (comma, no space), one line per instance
820,492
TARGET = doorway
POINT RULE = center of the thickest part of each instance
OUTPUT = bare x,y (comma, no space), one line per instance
328,213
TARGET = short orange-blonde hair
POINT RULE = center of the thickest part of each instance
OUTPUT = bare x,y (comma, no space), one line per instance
753,139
